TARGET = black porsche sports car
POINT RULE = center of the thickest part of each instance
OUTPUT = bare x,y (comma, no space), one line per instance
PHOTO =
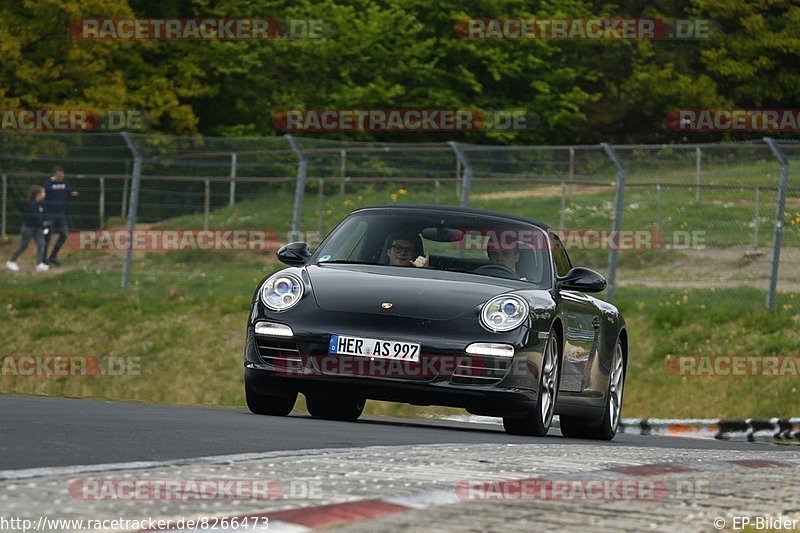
433,305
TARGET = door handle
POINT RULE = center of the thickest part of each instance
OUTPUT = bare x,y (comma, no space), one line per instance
596,322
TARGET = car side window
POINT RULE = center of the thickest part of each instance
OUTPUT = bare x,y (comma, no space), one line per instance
560,257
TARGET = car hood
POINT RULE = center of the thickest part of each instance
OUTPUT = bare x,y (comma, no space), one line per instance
423,294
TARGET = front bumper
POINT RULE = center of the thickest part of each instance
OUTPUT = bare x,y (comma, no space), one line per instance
479,400
445,375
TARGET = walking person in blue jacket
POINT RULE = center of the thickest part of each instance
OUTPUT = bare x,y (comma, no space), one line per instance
58,192
33,228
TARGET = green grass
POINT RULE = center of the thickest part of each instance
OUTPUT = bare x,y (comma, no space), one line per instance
725,217
707,322
185,314
185,322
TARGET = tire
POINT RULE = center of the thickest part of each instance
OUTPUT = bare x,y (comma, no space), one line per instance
606,429
261,404
537,421
346,409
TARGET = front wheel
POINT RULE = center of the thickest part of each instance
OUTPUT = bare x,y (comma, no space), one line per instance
580,428
537,421
346,409
261,404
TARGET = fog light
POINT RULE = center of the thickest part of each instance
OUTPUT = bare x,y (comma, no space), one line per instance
271,328
494,349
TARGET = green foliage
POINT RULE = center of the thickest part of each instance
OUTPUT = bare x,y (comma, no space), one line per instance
403,54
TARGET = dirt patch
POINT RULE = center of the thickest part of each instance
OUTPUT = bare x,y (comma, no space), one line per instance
719,267
545,191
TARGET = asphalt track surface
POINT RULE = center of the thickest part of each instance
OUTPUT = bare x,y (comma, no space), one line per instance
40,432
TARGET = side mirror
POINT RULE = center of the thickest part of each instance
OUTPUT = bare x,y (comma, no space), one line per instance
294,253
583,280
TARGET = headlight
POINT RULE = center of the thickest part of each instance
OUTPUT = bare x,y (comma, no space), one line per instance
504,313
281,291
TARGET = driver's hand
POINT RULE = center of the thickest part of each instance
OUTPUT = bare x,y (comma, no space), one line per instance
421,262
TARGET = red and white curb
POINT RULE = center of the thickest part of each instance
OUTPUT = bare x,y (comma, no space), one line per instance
346,513
750,429
747,429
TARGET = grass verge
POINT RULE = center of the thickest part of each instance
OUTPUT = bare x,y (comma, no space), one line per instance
183,322
183,319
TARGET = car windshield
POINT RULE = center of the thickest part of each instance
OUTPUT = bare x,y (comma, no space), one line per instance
457,242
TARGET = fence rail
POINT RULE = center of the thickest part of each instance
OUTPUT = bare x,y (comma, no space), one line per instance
739,194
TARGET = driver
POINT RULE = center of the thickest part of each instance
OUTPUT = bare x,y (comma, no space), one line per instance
506,258
406,251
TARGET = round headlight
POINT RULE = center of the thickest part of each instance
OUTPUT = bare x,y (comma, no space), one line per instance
504,313
281,291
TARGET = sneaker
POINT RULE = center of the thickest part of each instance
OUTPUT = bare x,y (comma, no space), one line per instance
53,262
42,267
12,266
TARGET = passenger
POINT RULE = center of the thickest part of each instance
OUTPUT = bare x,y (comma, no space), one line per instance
404,248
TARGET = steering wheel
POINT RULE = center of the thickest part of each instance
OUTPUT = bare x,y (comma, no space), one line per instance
499,271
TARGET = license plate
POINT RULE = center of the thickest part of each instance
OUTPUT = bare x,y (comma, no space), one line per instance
360,346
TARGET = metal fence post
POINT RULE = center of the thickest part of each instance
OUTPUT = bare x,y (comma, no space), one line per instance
136,179
102,202
123,213
125,187
658,207
697,163
778,231
757,218
343,170
618,205
563,205
320,203
571,163
466,178
458,177
4,209
232,194
206,203
300,187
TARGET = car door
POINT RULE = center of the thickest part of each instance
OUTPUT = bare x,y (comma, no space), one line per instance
581,325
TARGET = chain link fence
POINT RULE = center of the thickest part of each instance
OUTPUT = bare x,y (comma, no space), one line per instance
680,216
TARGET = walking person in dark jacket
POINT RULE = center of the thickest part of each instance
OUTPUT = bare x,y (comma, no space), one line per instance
58,192
33,228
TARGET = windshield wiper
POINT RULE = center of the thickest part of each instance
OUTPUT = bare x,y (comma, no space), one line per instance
461,270
346,262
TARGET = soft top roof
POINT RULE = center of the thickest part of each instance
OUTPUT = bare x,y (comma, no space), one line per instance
454,209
